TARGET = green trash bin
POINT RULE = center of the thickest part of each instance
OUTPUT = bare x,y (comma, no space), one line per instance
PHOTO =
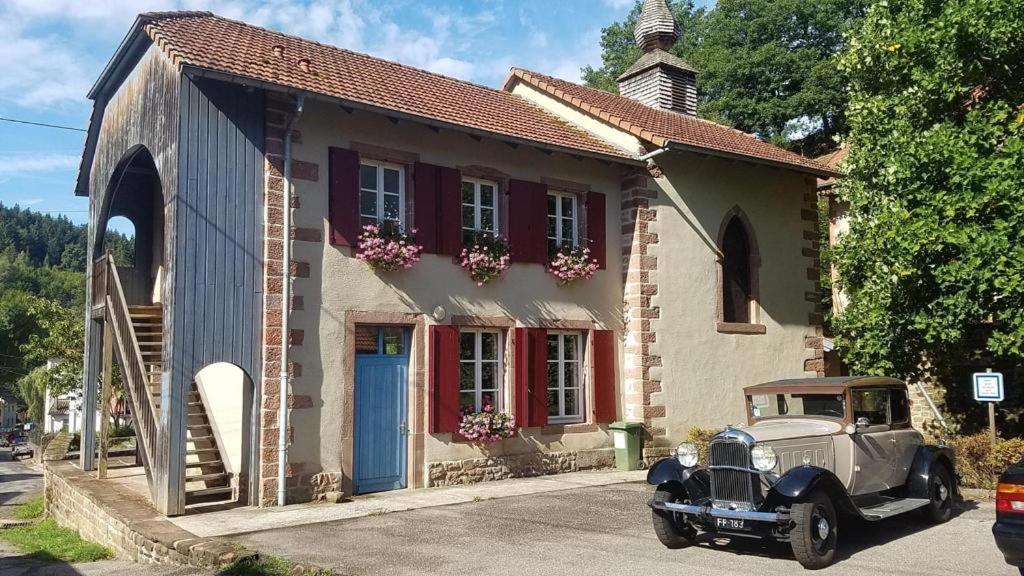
626,439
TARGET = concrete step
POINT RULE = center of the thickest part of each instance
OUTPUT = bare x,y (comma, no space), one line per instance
206,464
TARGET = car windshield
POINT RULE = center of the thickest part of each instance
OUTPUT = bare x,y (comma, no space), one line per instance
788,404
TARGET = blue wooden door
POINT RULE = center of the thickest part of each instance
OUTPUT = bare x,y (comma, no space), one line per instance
381,409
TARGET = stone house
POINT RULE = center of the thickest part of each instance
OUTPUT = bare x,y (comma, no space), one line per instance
267,363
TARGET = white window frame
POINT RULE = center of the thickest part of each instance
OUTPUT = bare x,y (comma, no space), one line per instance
478,361
580,387
381,166
478,206
575,218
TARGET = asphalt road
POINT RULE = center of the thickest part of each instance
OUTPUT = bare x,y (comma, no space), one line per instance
18,482
606,530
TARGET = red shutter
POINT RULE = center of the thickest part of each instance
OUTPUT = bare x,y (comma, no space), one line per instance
444,379
531,377
605,352
449,231
425,205
438,208
528,221
343,199
596,225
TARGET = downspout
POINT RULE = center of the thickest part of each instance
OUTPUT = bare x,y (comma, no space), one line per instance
282,409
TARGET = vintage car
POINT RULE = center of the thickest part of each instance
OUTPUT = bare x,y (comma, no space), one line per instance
21,451
812,450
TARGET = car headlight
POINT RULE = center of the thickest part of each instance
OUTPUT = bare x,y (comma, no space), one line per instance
763,457
687,454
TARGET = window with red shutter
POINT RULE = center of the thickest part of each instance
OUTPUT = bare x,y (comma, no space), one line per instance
444,379
605,352
343,197
596,225
527,221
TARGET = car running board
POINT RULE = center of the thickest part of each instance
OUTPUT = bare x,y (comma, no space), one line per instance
892,508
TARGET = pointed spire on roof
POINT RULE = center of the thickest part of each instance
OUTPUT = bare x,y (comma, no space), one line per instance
656,28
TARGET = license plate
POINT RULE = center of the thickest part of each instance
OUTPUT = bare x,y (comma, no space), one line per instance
729,524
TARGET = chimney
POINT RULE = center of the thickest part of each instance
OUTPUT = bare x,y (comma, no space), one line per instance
659,79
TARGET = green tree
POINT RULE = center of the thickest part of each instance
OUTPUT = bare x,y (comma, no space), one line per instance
936,184
766,66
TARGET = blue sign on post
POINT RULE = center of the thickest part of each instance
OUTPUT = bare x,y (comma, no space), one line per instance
988,386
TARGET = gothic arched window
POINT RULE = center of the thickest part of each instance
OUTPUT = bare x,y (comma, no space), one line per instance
738,268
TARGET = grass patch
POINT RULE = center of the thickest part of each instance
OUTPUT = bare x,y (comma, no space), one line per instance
30,509
48,541
266,566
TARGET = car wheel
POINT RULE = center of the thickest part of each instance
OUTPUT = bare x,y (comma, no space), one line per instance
940,496
815,531
671,529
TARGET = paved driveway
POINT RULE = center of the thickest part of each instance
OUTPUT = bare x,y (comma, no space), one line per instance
19,481
606,530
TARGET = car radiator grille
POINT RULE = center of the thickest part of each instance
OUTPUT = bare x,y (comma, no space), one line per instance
731,485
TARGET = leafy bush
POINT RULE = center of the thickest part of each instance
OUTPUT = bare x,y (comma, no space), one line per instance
701,437
979,462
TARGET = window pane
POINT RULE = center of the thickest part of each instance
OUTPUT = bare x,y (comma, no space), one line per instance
467,345
553,347
468,217
467,400
366,340
572,374
552,247
571,408
567,206
571,347
568,226
467,376
394,342
552,402
367,220
468,236
368,203
552,205
489,397
488,376
467,193
552,227
553,375
487,195
391,207
368,177
487,219
391,181
488,346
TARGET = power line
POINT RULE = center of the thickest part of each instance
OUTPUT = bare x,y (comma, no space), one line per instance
42,124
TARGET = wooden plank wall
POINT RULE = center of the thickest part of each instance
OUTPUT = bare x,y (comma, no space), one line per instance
217,237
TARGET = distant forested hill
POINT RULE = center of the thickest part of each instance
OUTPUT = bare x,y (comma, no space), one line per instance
42,299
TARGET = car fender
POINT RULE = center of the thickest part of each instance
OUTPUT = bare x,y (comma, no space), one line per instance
920,470
669,473
798,483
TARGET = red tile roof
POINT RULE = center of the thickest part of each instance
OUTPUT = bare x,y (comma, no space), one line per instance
210,42
661,127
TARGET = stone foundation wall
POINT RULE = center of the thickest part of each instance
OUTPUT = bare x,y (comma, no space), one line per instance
475,470
104,513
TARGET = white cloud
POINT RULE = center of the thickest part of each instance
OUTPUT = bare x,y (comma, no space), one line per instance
26,202
619,3
18,163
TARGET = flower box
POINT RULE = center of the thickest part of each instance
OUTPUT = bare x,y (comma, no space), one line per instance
572,264
486,259
487,426
386,248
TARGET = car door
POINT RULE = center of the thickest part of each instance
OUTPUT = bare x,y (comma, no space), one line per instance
873,445
905,439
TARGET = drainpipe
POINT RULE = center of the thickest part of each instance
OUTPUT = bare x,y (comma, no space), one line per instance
651,155
286,289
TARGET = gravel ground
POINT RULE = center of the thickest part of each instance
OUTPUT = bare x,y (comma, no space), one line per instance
606,530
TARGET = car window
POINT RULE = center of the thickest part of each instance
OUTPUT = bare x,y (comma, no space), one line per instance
872,404
775,405
899,407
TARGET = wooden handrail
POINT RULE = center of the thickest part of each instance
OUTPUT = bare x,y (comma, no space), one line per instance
129,355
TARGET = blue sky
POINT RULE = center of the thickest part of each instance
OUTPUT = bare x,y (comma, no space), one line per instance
54,49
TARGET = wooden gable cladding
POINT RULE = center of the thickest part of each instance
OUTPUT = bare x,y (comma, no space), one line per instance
438,208
445,413
596,228
527,221
343,197
531,377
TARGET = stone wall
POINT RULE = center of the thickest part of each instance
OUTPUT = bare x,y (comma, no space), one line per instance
516,466
104,513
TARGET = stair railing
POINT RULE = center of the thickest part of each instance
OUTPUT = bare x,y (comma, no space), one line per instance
129,356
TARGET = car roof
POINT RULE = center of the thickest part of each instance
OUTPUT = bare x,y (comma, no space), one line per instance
821,385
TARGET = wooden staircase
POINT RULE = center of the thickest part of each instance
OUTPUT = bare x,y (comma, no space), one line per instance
207,482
